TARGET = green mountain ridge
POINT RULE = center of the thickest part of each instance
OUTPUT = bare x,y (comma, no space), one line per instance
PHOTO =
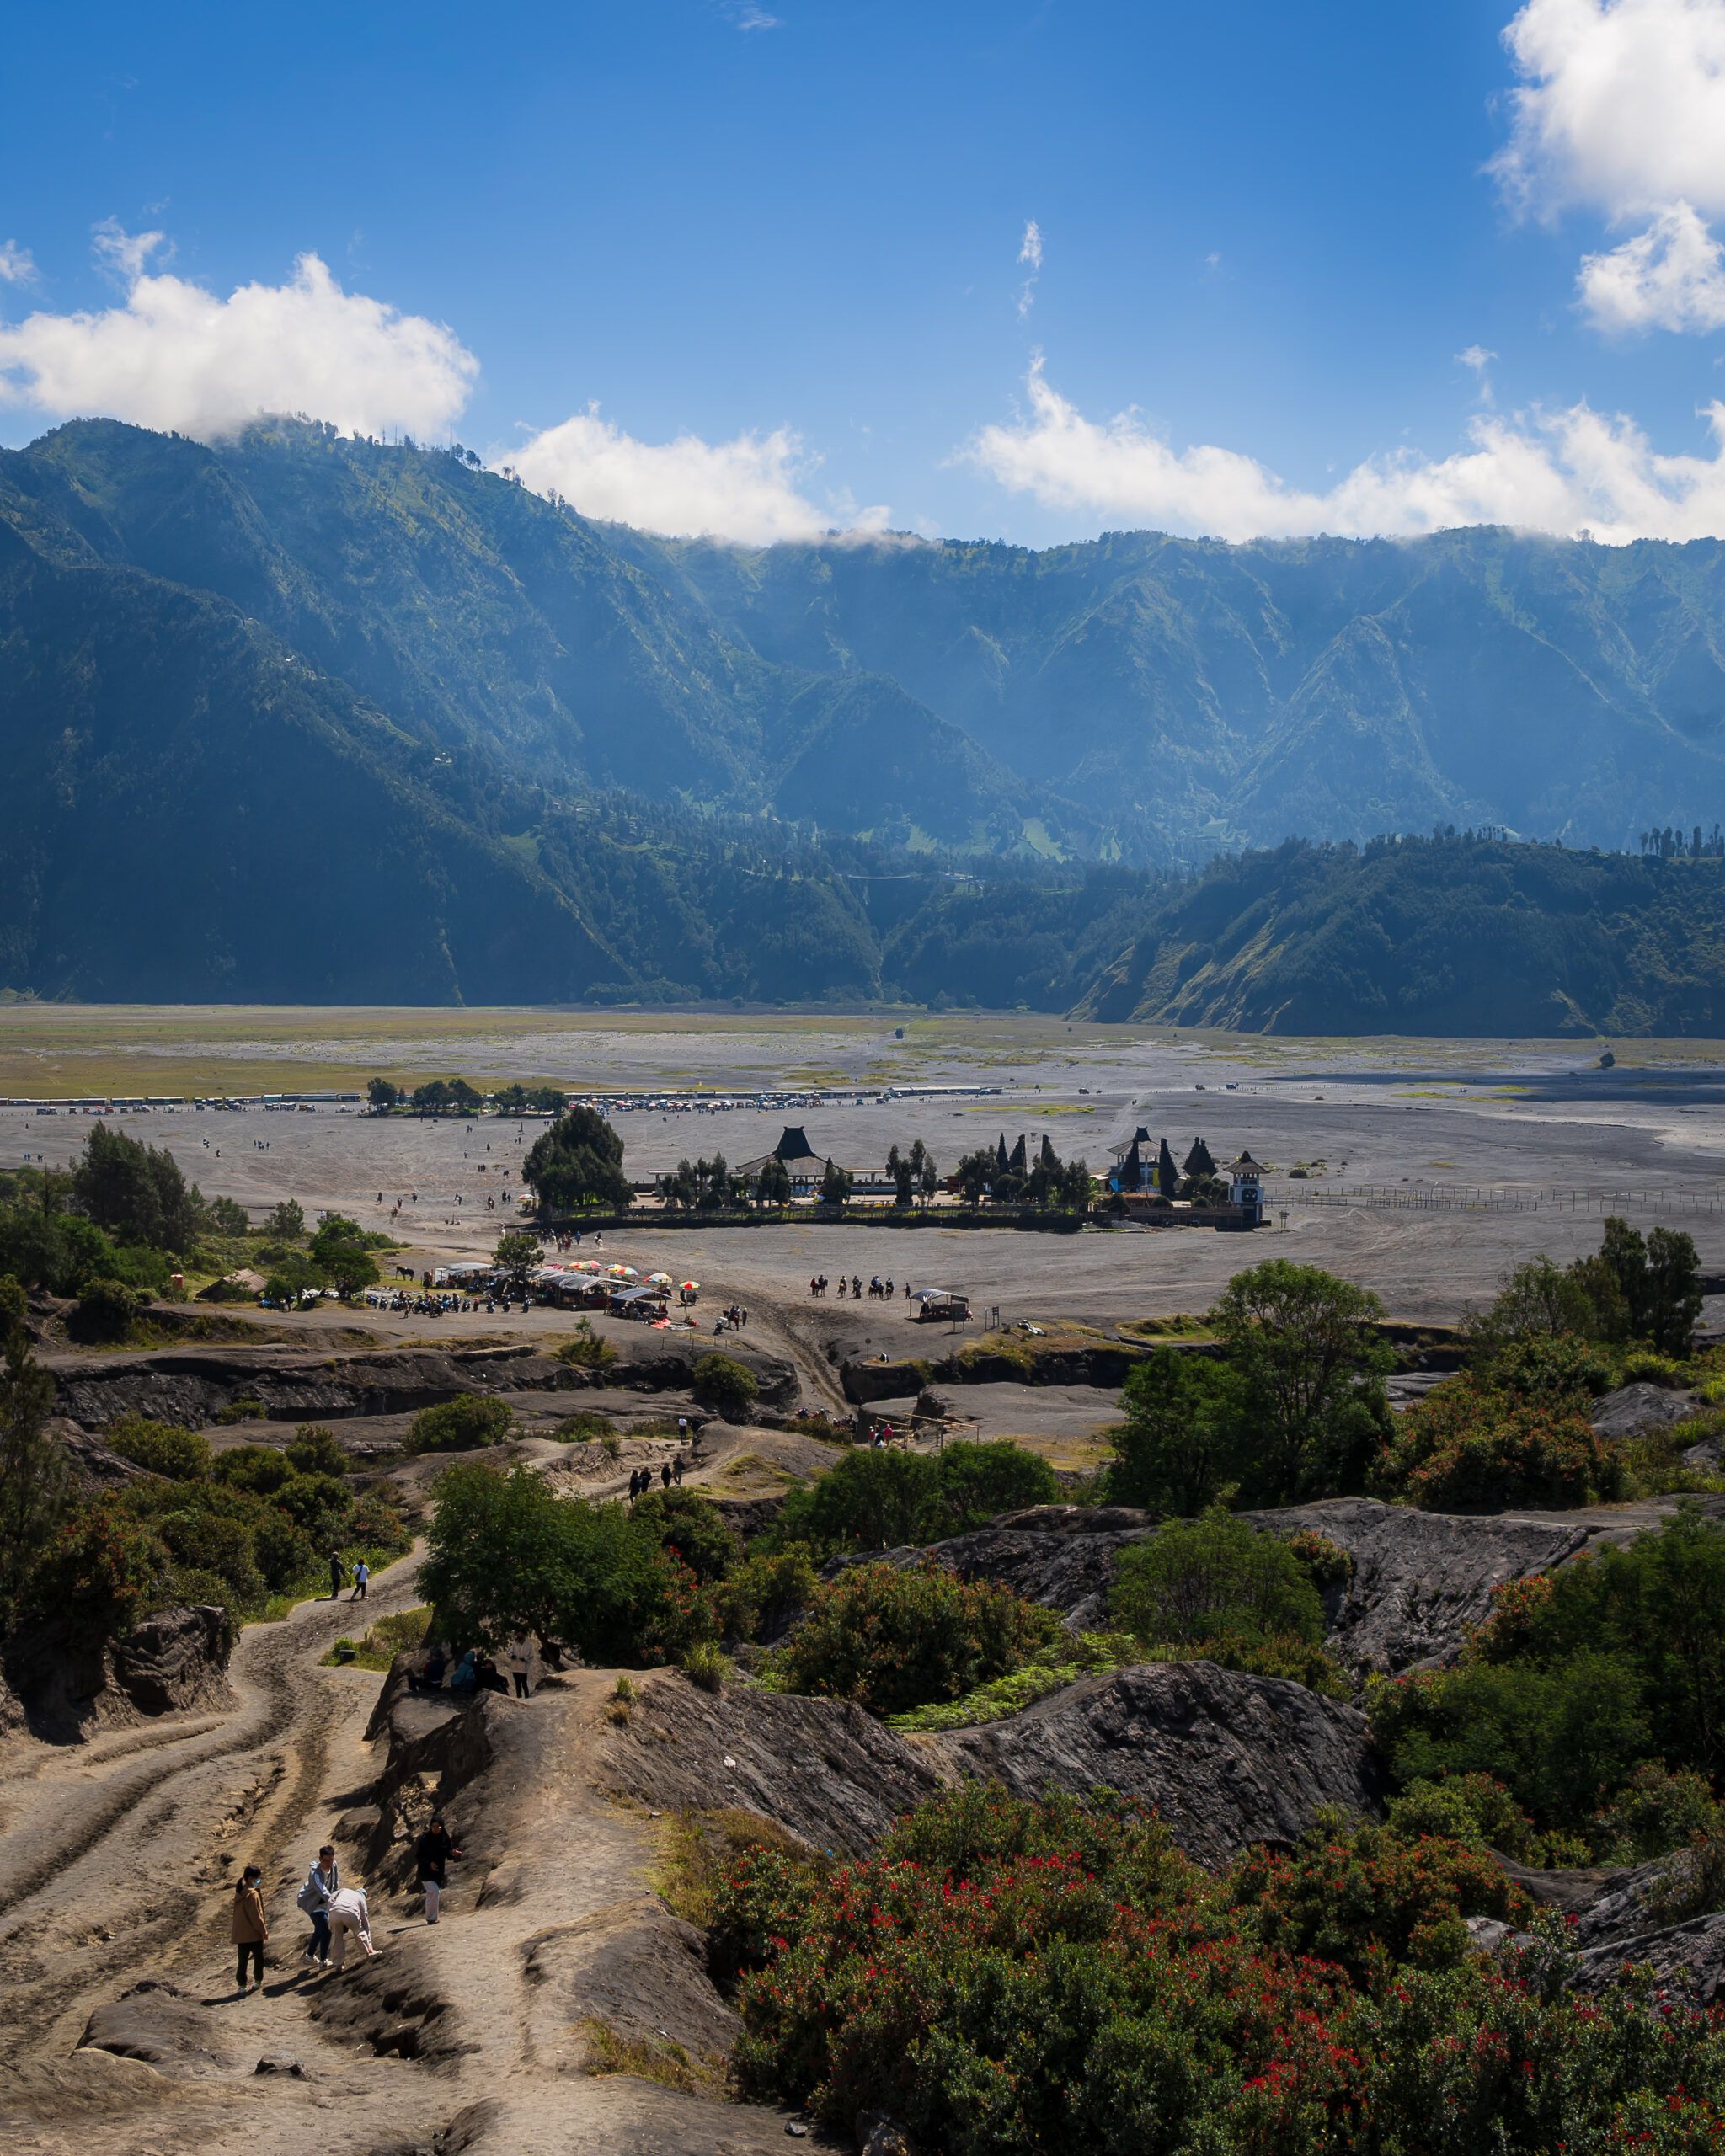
304,718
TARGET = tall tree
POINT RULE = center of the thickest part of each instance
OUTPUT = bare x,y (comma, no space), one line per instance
1167,1176
34,1484
137,1191
578,1162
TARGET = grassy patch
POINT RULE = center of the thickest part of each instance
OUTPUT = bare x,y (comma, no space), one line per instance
1092,1654
1180,1326
655,2059
382,1642
696,1848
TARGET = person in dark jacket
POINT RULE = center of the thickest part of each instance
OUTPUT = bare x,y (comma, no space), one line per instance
431,1855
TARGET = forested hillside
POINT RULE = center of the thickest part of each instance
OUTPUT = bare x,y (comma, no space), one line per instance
312,718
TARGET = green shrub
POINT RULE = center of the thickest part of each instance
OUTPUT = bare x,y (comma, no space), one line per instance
1325,1563
584,1350
261,1468
586,1428
316,1451
1467,1449
1654,1812
243,1410
163,1448
106,1310
763,1589
727,1386
692,1527
285,1553
1195,1584
321,1506
197,1588
467,1423
1470,1809
893,1640
103,1570
206,1542
882,1498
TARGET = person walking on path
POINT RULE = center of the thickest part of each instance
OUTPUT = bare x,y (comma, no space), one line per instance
321,1882
338,1575
520,1658
249,1928
362,1573
665,1474
431,1855
349,1917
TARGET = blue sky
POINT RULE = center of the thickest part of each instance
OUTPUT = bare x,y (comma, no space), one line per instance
755,268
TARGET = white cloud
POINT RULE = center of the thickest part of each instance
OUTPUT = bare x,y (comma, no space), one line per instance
1030,255
16,265
748,17
172,354
1621,105
1672,276
122,254
1561,472
1621,109
750,489
1478,359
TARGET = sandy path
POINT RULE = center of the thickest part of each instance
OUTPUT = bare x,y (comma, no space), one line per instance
118,1855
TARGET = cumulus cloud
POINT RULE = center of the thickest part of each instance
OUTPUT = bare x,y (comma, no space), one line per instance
1561,472
749,489
1671,276
1030,255
16,264
1621,105
173,354
1621,109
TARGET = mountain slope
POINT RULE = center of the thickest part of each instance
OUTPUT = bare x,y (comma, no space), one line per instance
1429,936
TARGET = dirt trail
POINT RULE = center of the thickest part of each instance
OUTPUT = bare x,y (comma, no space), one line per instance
116,1855
116,1863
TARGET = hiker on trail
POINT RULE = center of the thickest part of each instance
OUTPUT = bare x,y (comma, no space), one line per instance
250,1927
349,1918
519,1656
338,1576
431,1855
676,1470
362,1572
314,1898
682,1429
665,1474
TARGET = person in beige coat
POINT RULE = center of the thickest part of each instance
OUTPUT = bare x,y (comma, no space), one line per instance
249,1928
349,1917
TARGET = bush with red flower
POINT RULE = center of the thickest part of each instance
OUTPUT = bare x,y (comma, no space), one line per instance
1470,1448
1005,1978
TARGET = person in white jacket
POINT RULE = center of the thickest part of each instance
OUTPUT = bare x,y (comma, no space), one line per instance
349,1917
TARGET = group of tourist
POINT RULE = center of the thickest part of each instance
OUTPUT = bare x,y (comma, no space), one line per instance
878,1290
641,1481
473,1670
340,1916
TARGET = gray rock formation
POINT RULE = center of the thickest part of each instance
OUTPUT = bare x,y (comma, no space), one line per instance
1062,1556
61,1687
1422,1580
191,1385
161,2025
1227,1760
1633,1408
822,1770
1619,1922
